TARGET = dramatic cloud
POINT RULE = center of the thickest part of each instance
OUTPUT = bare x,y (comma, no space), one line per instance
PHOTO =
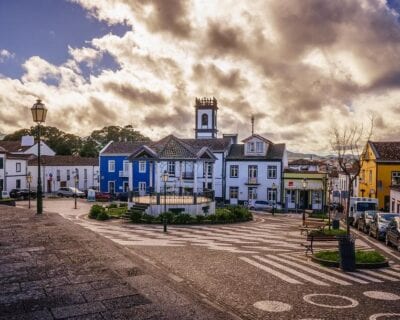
298,66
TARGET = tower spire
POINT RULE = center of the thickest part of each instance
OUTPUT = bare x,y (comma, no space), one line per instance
252,124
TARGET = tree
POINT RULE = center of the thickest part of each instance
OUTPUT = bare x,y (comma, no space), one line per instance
90,148
117,133
349,144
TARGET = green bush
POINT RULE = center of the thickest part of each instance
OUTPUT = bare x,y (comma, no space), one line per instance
147,218
169,215
123,205
327,232
135,216
117,212
183,218
112,205
200,218
102,216
95,210
212,217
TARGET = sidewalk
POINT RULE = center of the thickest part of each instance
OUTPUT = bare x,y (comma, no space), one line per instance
51,268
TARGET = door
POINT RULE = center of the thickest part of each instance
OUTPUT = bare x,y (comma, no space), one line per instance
126,186
111,187
142,188
49,189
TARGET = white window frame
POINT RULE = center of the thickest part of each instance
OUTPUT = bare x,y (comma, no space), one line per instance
142,166
111,165
18,167
272,195
234,171
272,172
111,182
259,147
253,171
125,165
252,193
395,177
233,191
209,171
171,168
251,147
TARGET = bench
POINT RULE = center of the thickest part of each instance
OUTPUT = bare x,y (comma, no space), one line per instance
312,224
313,238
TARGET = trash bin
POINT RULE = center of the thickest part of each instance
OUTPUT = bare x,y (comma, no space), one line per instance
335,224
347,254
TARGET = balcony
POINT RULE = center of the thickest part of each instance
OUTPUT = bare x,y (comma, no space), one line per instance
123,174
252,181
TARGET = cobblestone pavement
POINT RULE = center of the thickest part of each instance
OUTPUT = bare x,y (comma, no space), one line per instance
51,268
258,270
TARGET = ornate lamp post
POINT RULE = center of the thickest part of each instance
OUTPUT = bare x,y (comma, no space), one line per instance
29,181
164,178
274,198
39,113
76,180
305,185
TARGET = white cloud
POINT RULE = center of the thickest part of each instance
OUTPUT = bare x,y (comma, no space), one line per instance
5,55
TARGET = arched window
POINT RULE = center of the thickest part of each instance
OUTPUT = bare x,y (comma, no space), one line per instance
204,120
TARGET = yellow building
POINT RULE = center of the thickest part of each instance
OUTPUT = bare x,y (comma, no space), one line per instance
380,170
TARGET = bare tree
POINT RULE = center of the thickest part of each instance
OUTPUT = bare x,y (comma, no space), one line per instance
350,146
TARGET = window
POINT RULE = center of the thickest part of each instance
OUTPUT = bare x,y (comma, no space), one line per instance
125,165
207,186
316,197
142,166
171,168
271,172
77,172
251,147
395,178
370,176
252,171
259,146
234,171
252,193
18,167
233,192
208,168
111,166
204,120
1,163
271,195
111,187
188,170
58,175
68,175
1,184
18,184
85,174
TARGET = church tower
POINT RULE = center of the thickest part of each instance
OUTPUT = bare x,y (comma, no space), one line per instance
206,118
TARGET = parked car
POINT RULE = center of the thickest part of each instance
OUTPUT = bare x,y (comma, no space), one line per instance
260,205
122,196
103,196
22,194
393,233
4,194
364,222
379,224
70,192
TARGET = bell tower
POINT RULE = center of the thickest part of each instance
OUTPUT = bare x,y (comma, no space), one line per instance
206,118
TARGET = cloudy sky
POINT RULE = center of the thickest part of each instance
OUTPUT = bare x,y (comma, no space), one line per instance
300,67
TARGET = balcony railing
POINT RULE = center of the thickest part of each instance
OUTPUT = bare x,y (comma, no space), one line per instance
123,174
252,180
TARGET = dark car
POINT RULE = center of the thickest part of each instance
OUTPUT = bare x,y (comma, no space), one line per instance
364,222
103,196
393,233
379,223
22,194
122,196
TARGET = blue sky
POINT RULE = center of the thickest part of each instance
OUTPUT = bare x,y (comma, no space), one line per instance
45,28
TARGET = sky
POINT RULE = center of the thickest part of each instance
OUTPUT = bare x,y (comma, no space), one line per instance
300,67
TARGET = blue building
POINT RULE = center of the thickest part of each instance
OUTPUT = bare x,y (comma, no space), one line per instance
117,172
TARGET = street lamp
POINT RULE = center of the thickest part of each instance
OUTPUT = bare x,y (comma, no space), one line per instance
164,178
39,113
329,204
305,184
76,180
29,181
273,197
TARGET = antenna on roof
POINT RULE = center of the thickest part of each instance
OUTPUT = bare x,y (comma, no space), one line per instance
252,124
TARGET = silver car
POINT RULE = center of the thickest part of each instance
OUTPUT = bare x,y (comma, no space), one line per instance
260,205
379,224
70,192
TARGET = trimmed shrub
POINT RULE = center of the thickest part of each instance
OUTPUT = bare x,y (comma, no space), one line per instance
102,216
112,205
123,205
200,218
169,215
183,218
147,218
135,216
212,217
95,210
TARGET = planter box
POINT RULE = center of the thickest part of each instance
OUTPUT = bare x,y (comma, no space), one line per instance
335,264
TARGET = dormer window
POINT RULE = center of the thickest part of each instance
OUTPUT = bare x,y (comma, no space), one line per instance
251,147
259,147
255,147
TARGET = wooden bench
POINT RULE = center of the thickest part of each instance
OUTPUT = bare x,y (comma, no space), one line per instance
312,224
313,238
